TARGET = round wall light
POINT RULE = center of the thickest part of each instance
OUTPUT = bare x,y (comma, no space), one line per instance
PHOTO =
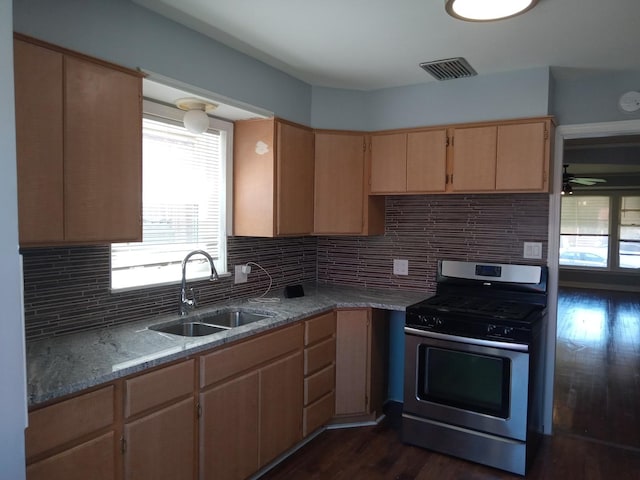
487,10
195,118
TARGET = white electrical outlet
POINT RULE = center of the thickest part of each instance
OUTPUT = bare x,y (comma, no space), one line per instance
400,267
241,276
532,250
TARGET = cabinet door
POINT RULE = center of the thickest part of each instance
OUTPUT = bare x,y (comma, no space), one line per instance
294,180
94,459
389,163
339,183
38,96
352,362
103,153
281,402
426,161
162,445
474,159
229,429
254,178
522,159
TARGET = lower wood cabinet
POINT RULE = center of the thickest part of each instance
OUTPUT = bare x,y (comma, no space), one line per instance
361,366
222,415
159,434
74,439
229,429
319,371
251,403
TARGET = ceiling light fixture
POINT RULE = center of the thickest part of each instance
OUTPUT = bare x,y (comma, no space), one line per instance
195,118
566,189
487,10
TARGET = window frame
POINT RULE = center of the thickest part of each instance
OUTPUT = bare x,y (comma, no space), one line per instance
613,252
160,112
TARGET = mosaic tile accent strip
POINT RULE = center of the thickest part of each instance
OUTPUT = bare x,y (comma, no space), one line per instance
66,289
426,228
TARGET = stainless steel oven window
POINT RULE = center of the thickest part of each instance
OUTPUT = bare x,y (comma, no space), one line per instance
469,381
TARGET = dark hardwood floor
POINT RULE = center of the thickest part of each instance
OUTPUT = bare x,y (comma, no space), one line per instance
597,380
596,412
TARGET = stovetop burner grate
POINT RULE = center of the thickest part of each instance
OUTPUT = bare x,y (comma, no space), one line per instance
485,307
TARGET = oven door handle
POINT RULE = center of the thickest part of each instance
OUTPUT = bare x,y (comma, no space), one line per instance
468,340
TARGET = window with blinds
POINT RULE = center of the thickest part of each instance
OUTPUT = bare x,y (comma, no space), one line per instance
584,231
629,234
183,198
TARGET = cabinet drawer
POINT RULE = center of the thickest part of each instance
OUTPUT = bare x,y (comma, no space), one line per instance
319,384
318,413
320,327
230,361
319,356
93,459
158,387
63,422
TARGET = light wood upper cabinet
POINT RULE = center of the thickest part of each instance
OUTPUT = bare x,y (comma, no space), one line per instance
522,161
426,161
389,163
102,153
474,159
510,156
342,204
39,123
79,147
412,162
272,178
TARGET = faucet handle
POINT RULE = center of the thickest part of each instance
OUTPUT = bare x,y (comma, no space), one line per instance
194,300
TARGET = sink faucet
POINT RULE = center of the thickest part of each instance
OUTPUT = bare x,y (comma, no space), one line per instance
188,304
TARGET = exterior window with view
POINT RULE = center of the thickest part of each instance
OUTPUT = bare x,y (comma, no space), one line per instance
629,244
584,231
183,202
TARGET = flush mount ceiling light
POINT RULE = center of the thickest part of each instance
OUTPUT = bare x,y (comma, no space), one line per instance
487,10
195,119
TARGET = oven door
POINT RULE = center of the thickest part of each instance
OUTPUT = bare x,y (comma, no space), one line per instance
471,383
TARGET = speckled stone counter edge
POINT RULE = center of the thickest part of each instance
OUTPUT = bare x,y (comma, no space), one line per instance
60,366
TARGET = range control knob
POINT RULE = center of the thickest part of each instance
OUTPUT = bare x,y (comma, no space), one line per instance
491,329
507,331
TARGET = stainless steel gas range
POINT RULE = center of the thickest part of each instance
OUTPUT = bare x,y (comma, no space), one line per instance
474,364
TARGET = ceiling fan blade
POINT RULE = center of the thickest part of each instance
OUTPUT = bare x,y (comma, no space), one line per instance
587,181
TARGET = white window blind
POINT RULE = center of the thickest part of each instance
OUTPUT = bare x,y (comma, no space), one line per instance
629,245
584,231
183,207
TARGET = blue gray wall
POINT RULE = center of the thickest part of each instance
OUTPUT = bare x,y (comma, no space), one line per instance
582,96
523,93
127,34
13,400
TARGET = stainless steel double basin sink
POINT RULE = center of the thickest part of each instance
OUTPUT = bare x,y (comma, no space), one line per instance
209,324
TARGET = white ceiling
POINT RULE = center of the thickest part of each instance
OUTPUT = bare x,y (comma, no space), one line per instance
371,44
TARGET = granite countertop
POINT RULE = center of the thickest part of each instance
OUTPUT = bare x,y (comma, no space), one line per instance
67,364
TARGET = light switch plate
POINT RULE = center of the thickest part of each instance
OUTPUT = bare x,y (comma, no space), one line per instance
400,267
532,250
240,276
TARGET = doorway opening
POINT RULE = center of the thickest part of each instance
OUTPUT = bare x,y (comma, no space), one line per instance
596,334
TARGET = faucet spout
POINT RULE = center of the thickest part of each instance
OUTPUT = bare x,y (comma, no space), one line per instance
187,304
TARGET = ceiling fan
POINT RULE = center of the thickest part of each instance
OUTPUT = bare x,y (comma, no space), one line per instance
568,179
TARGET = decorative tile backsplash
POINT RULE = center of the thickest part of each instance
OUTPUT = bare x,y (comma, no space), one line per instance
426,228
67,288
